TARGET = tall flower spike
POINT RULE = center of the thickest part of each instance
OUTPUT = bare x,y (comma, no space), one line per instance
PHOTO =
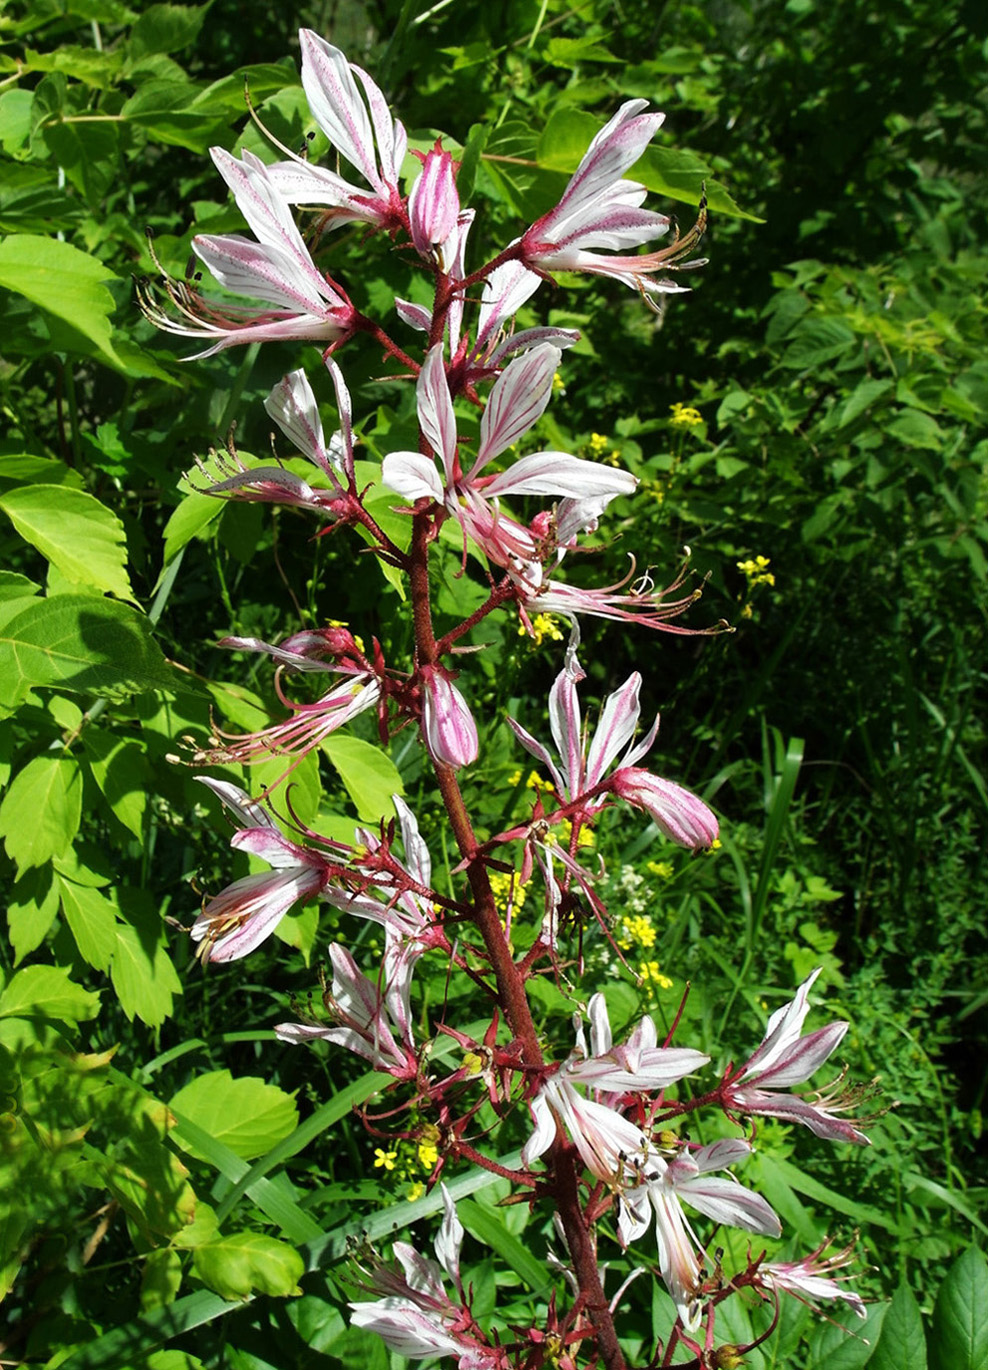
352,112
787,1058
600,210
277,269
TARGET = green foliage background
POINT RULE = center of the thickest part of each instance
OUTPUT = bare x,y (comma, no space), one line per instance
163,1159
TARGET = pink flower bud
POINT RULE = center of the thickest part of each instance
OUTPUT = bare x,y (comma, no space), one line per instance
450,732
677,812
433,205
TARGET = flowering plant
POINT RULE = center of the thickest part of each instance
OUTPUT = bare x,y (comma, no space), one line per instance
603,1145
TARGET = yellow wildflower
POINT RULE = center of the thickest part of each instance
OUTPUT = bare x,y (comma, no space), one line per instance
663,869
598,444
384,1160
684,414
636,930
587,837
428,1154
649,973
415,1191
558,384
543,626
501,887
755,571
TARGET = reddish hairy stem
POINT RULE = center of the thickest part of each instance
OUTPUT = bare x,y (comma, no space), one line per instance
510,981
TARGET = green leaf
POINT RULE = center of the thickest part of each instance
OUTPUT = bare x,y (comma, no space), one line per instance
161,1278
237,1266
959,1339
247,1115
41,810
370,777
903,1340
120,769
863,397
47,992
188,520
816,341
67,284
165,109
85,644
846,1343
166,28
75,532
143,974
487,1226
25,468
916,429
31,910
92,919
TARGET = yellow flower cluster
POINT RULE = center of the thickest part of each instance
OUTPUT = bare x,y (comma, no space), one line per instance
534,781
599,445
650,974
543,626
587,837
663,869
558,384
635,930
501,885
755,571
408,1158
684,414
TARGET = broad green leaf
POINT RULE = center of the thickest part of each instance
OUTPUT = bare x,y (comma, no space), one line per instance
247,1115
143,974
248,1262
863,397
89,154
161,1278
188,520
41,810
959,1338
31,910
916,429
15,120
92,919
165,110
24,468
120,769
82,643
815,341
903,1340
75,532
846,1342
370,777
67,284
47,992
166,28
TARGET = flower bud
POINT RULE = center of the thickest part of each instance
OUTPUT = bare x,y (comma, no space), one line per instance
448,726
433,205
677,812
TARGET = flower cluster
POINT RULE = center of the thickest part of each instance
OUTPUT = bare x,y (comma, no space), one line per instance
601,1123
